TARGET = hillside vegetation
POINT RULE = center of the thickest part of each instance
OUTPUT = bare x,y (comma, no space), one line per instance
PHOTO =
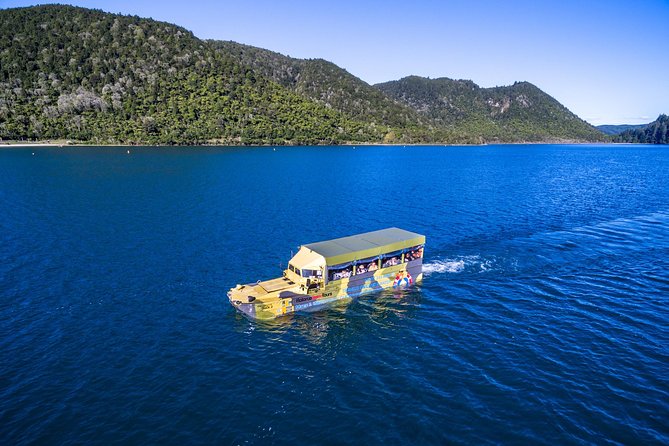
520,112
90,76
324,82
657,132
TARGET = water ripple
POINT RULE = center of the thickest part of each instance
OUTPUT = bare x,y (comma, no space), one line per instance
542,319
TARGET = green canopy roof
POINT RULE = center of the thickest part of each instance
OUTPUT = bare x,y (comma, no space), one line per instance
362,246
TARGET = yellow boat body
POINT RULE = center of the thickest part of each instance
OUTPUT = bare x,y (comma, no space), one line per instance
325,272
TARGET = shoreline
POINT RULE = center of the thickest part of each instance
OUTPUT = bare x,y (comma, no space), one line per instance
38,144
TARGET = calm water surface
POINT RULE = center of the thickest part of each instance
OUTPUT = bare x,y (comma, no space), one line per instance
543,317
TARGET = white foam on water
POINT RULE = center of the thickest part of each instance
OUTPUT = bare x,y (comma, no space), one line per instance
457,265
444,266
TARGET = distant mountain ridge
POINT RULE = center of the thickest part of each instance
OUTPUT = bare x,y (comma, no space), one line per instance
91,76
616,129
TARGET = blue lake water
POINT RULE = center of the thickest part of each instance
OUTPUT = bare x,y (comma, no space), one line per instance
543,317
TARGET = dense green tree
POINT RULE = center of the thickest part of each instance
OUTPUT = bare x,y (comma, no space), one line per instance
657,132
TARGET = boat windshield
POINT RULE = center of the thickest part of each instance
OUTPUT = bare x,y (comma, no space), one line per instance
310,273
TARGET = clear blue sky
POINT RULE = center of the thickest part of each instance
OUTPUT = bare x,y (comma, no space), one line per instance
607,61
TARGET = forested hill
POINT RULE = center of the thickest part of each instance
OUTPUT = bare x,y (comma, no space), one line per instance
657,132
511,113
86,75
324,82
91,76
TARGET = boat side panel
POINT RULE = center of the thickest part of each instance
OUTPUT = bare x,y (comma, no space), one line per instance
372,281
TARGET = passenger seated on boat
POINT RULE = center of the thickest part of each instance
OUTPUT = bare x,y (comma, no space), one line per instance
373,266
343,274
360,269
414,254
391,262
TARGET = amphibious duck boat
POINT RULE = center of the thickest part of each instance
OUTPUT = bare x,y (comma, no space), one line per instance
323,272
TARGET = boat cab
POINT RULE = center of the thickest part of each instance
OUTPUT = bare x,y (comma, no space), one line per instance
327,271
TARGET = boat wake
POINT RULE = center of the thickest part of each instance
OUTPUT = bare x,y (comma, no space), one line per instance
459,264
568,249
